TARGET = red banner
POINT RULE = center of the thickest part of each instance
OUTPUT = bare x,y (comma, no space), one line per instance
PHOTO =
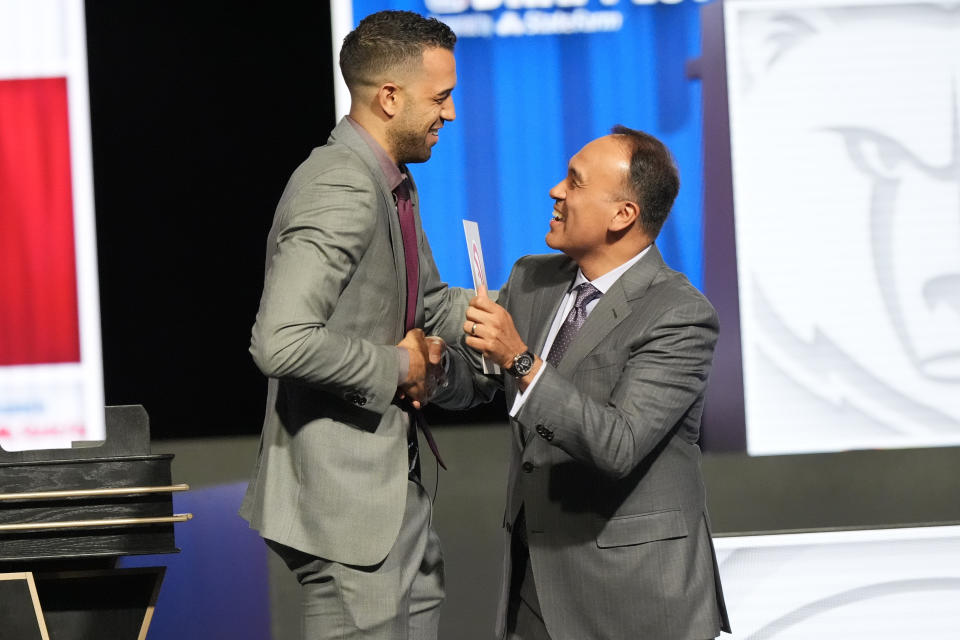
38,277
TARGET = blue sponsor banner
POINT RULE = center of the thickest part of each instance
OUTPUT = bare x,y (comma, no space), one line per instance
538,79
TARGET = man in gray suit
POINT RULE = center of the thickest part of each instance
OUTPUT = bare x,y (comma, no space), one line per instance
607,352
350,287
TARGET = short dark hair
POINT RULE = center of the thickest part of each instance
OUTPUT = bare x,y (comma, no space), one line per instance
654,181
388,41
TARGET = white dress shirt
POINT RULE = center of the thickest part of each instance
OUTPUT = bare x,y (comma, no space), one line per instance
603,284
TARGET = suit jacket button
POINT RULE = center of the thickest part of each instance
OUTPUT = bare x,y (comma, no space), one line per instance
527,467
509,528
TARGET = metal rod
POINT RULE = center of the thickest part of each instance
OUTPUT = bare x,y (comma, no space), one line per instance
74,524
91,493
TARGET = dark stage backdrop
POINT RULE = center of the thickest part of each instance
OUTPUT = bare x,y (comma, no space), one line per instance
199,113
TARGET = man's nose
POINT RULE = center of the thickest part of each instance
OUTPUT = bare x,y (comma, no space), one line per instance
557,192
448,111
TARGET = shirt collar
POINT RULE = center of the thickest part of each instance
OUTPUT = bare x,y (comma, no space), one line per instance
388,167
604,282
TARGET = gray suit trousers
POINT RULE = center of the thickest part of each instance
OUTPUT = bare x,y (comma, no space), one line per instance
397,599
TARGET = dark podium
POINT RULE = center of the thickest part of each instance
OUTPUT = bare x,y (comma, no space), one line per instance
66,516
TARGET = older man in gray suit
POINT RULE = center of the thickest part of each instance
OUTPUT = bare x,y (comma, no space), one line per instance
607,352
350,286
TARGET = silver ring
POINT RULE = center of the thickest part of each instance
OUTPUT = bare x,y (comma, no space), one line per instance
473,329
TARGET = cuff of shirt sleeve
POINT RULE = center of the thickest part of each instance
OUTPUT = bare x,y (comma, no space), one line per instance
523,395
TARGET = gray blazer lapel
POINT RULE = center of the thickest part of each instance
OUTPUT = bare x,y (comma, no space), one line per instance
609,312
345,134
541,310
613,308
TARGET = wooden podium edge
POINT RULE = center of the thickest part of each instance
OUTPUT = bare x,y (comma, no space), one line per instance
148,614
37,611
158,572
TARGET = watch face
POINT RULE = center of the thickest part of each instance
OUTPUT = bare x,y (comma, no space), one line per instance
523,364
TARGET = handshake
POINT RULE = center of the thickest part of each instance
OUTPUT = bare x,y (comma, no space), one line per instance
489,330
425,374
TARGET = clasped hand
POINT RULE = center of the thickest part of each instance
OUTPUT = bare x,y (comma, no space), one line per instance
425,375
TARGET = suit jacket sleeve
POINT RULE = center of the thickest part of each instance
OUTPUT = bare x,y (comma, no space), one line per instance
467,386
321,232
664,377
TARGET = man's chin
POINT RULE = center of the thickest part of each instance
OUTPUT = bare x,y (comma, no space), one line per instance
421,156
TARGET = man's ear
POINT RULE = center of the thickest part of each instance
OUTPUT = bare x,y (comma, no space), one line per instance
627,214
388,97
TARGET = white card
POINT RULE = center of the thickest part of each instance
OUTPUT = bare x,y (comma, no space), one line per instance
479,273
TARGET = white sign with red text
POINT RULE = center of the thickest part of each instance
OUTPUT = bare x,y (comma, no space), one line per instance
479,273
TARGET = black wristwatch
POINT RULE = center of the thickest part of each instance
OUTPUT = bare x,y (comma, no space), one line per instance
522,364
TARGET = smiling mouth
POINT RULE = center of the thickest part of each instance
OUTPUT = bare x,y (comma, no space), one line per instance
558,217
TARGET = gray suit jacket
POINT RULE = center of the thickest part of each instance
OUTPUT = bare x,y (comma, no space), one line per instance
331,474
605,461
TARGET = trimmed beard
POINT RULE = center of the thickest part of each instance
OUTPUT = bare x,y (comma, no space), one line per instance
409,145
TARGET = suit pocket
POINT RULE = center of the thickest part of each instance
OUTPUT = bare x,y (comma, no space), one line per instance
624,531
601,360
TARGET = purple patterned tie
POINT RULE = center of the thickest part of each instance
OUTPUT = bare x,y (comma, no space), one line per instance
586,293
411,258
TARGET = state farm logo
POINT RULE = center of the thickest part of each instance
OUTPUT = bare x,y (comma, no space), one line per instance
511,18
459,6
